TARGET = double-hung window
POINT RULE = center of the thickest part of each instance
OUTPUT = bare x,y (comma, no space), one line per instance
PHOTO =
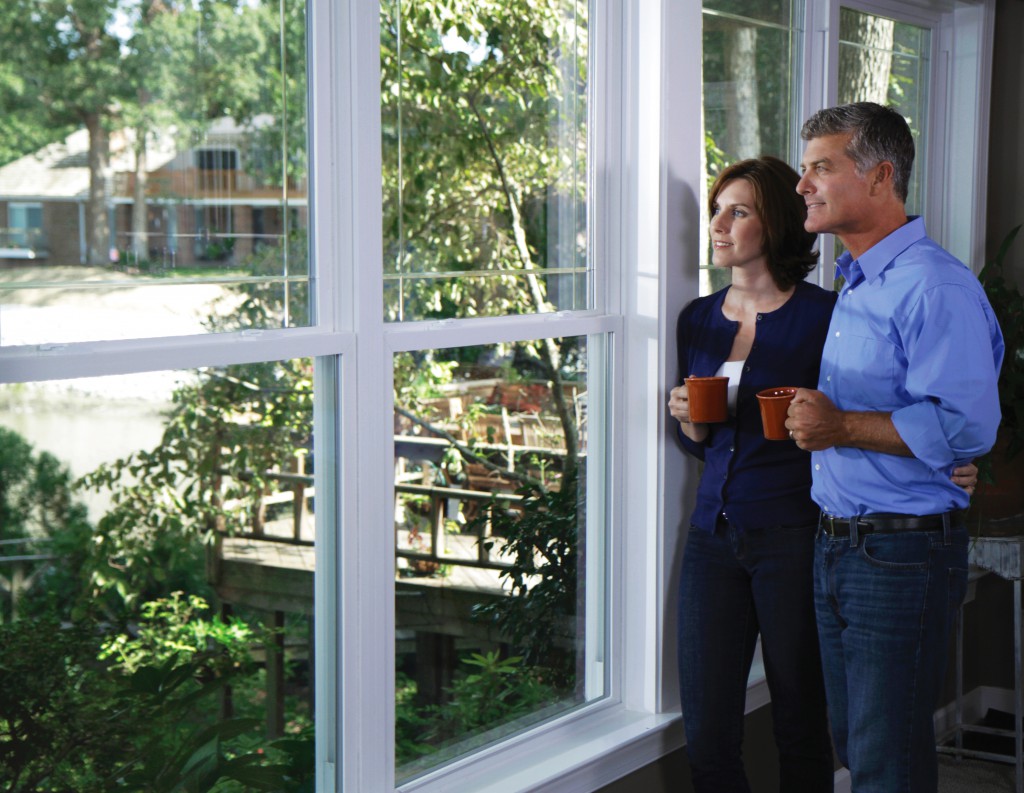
356,333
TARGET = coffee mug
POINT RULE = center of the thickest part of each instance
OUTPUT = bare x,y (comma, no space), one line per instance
774,404
709,403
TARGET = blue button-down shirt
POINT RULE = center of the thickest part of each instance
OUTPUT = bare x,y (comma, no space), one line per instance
758,483
913,335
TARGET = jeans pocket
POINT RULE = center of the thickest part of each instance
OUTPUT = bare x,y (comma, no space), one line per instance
957,587
908,552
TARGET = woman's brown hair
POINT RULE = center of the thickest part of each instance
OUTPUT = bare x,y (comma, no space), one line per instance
787,246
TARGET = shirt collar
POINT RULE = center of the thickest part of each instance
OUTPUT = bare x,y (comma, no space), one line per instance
873,261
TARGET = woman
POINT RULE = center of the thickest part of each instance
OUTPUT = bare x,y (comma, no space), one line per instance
747,566
747,563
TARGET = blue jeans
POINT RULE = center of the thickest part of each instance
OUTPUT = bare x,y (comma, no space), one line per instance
885,605
733,586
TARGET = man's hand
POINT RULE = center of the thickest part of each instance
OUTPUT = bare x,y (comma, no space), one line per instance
814,422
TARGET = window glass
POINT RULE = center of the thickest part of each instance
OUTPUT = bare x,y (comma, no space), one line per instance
156,561
24,231
490,486
751,64
484,144
771,12
886,61
174,167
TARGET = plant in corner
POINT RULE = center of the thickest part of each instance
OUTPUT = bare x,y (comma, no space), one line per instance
998,507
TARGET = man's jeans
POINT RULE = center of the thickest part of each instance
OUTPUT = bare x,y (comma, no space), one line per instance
885,604
734,585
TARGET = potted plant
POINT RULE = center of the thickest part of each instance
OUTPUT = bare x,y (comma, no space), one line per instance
998,505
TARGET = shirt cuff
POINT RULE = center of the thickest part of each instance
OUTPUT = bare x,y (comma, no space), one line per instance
940,438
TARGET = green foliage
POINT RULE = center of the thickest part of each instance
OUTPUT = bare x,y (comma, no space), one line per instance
487,692
474,91
226,430
37,501
1008,305
542,539
494,690
173,628
68,723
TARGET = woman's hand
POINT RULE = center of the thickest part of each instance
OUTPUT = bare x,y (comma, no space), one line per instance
966,476
679,407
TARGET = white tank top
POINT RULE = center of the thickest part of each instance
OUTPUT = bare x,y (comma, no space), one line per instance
733,370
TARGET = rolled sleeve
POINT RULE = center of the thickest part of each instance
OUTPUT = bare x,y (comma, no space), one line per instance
954,351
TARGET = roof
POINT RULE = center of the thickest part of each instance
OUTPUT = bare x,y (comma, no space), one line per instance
60,171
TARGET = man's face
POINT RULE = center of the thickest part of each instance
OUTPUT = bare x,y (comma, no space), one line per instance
836,195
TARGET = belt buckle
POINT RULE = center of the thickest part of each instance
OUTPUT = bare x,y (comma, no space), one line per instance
828,523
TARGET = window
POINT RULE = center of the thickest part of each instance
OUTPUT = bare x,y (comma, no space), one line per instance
403,301
889,62
25,228
752,57
484,142
157,195
767,67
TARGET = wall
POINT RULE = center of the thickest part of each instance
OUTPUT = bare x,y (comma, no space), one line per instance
1006,135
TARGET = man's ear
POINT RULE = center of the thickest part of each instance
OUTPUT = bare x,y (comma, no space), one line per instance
884,172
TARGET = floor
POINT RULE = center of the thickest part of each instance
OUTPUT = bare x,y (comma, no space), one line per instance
974,776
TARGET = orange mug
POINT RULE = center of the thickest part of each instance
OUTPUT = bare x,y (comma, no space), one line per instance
708,397
774,404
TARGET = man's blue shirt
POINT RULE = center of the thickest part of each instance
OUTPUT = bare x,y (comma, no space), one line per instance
913,335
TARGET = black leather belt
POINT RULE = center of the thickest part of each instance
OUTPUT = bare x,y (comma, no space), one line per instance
887,523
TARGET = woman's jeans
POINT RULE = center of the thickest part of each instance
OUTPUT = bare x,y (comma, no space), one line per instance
885,605
733,586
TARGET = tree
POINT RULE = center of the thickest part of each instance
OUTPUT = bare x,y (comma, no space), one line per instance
69,56
475,96
133,68
865,59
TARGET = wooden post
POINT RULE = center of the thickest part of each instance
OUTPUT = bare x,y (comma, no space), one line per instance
274,659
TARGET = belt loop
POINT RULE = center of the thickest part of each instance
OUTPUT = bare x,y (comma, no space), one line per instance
946,529
854,535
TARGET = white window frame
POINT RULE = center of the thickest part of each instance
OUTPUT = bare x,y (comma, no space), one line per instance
958,113
637,289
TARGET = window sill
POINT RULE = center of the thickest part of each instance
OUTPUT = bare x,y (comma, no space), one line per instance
576,757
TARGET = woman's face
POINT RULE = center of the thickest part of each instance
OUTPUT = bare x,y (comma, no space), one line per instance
737,234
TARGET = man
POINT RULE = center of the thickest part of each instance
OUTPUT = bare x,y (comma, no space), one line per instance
907,391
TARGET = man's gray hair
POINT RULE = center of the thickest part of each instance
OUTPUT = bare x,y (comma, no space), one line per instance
879,133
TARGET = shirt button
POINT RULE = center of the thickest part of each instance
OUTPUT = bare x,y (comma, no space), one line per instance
817,466
837,333
828,379
746,368
760,317
732,448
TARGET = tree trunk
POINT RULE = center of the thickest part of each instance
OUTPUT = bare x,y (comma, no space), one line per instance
865,57
140,229
97,225
741,65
